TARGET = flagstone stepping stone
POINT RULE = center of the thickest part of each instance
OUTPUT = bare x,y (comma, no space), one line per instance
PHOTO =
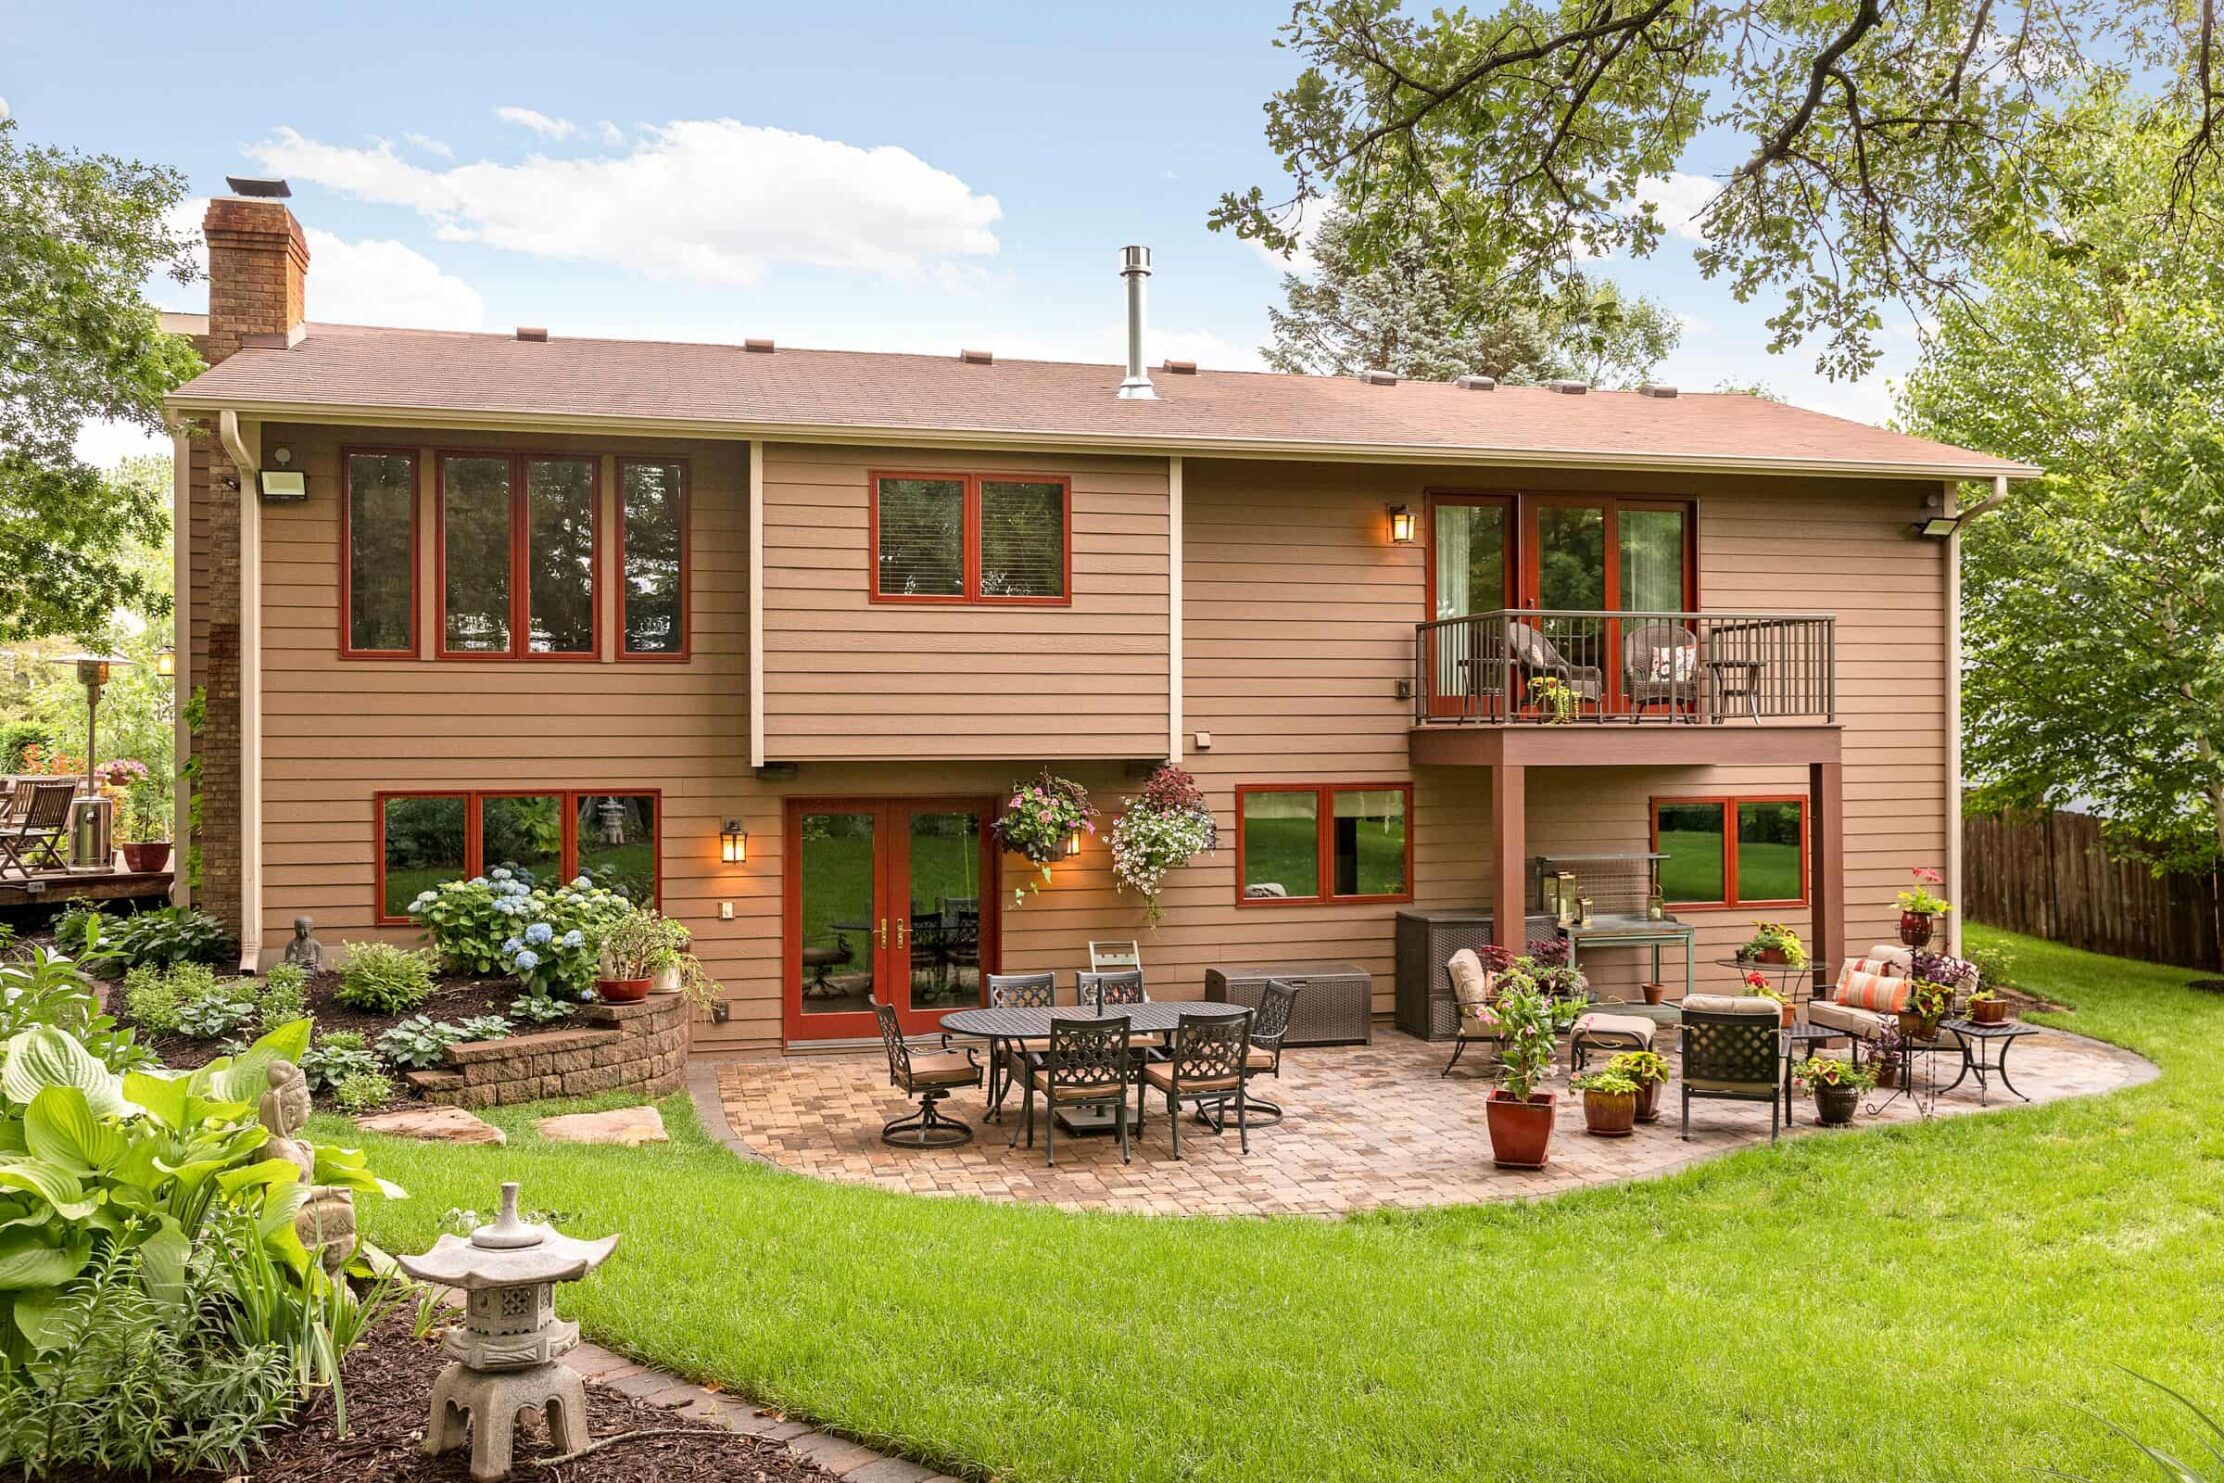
631,1126
434,1123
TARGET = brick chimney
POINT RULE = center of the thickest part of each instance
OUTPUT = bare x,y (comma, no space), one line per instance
258,262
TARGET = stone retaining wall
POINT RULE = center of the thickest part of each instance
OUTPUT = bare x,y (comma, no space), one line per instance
639,1047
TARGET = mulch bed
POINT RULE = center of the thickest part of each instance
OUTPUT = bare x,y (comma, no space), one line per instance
389,1390
455,996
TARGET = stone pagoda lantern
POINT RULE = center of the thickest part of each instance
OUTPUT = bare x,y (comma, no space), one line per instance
503,1359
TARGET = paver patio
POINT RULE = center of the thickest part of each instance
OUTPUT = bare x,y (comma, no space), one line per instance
1366,1127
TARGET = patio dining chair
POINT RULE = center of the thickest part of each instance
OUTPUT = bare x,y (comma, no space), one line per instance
1121,986
1017,991
1271,1022
1660,666
1087,1064
1204,1065
930,1078
1731,1053
35,841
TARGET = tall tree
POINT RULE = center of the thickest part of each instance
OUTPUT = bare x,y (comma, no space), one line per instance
2094,614
1404,310
80,235
1879,144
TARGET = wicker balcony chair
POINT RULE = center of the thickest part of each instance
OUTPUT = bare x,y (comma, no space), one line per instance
35,840
1731,1052
1115,987
1535,655
1204,1065
1268,1025
1017,991
1660,666
1087,1064
930,1078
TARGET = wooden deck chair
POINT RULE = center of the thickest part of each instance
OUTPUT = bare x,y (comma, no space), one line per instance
1115,957
35,839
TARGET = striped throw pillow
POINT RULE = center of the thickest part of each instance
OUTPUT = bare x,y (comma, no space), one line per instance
1871,991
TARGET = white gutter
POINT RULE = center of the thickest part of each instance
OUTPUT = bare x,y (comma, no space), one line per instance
1054,440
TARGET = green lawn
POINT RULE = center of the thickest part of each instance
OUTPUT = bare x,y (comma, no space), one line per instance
1928,1302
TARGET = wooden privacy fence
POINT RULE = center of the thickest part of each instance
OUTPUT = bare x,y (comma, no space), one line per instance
2049,876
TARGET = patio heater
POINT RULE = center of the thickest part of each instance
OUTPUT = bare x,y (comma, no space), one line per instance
93,829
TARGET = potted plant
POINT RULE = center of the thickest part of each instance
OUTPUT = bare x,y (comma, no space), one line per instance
1884,1054
1837,1086
143,827
1166,825
1518,1114
1609,1103
1757,984
1553,696
635,948
1773,942
1988,1007
1927,1004
1042,822
1920,908
1654,993
1650,1072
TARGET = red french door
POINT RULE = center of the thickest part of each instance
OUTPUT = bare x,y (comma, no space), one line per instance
1470,571
1587,554
891,900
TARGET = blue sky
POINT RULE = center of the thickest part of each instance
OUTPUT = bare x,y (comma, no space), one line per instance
862,176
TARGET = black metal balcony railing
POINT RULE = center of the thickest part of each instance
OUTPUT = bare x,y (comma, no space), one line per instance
1538,664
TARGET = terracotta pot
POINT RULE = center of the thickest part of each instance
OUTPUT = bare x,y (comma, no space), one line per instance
1773,955
623,990
1648,1101
1918,1027
1989,1011
142,859
1654,993
1835,1106
1520,1132
1915,928
1791,1013
1609,1114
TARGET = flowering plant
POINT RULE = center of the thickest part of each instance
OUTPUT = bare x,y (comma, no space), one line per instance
1829,1071
1921,900
1041,819
1551,694
121,773
1166,825
1927,1000
1757,984
1942,968
50,762
551,940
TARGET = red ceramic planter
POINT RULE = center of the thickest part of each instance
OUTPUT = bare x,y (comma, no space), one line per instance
623,990
1915,928
1520,1132
143,859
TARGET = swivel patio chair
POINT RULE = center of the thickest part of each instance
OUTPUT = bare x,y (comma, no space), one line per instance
1269,1024
1731,1053
1017,991
1087,1064
1660,667
930,1078
1205,1065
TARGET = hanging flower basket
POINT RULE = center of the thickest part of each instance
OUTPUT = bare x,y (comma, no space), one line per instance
1167,825
1040,822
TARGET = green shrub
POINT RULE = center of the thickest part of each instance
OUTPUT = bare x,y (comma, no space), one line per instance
165,936
549,938
336,1057
82,931
15,736
228,1006
1995,963
418,1042
380,978
363,1091
156,997
485,1027
284,994
48,989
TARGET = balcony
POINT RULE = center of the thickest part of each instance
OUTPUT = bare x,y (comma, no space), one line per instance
1598,687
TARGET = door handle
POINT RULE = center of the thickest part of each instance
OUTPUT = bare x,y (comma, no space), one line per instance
901,924
884,932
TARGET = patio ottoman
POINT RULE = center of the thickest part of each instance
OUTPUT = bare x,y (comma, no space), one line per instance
1618,1032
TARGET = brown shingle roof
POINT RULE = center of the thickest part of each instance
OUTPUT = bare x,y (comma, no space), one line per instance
431,376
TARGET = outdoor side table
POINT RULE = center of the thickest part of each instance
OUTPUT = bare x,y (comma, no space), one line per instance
1975,1058
1788,978
1796,1044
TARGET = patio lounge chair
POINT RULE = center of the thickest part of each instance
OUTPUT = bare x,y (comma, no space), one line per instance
930,1078
1205,1065
1476,1025
1087,1065
1660,667
1866,1000
35,841
1017,991
1731,1053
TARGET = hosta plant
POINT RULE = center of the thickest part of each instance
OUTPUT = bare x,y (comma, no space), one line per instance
335,1057
533,1009
418,1043
363,1091
381,978
484,1027
1165,826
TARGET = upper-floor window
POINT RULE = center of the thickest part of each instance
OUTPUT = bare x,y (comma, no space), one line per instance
518,536
972,538
1732,851
1323,842
652,559
378,553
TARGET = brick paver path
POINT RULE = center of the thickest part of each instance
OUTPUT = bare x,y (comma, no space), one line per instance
1367,1126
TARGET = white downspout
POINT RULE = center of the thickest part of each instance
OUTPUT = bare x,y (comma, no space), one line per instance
757,604
1174,729
243,444
181,650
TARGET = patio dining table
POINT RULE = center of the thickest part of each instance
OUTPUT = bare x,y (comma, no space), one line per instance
1153,1018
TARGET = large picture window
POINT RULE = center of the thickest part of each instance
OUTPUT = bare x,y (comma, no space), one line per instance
378,544
545,838
971,538
652,560
518,537
1749,851
1323,842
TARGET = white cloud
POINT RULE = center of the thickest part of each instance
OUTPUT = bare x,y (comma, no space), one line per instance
706,200
1692,324
431,145
1679,198
1300,260
3,109
539,122
105,443
370,282
611,133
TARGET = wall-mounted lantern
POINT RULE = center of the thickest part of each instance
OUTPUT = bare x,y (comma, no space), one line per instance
166,664
1073,844
733,843
1401,525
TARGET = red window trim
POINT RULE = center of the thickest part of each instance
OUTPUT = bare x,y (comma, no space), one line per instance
520,553
971,537
686,649
1324,842
474,844
1729,803
348,454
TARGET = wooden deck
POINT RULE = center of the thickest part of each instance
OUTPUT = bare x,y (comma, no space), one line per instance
53,887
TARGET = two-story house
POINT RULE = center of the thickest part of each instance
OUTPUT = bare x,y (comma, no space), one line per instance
766,634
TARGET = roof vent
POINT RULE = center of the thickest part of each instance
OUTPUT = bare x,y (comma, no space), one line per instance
1180,368
1379,378
757,347
978,357
536,334
263,187
1655,389
1135,268
1568,388
1477,383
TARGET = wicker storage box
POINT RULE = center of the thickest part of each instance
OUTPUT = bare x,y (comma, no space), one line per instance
1426,940
1335,1001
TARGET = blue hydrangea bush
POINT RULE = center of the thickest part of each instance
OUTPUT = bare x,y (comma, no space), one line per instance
498,922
